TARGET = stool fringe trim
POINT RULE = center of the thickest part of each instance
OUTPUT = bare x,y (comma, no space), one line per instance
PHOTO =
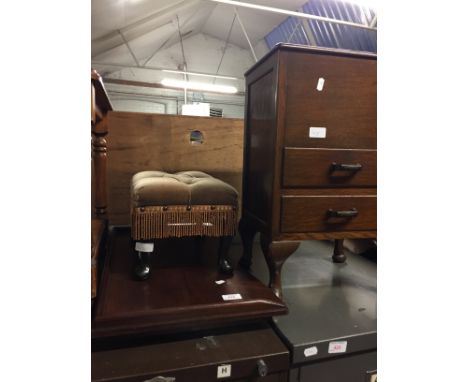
157,222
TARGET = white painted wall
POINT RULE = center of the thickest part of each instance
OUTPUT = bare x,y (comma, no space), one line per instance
149,100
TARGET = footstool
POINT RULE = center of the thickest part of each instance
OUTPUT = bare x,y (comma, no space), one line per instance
187,203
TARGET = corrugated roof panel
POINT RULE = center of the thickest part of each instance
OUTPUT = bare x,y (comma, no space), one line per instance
328,34
341,36
290,30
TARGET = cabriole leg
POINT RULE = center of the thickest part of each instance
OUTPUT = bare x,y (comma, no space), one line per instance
276,253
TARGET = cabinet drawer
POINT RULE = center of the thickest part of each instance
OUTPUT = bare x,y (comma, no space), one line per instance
329,168
228,355
346,106
317,213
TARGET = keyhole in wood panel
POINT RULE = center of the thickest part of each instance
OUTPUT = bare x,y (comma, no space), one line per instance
196,137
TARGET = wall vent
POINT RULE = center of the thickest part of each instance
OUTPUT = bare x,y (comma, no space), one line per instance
216,112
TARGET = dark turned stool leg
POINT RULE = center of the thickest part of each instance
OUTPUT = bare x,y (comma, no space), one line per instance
247,234
338,252
143,249
224,263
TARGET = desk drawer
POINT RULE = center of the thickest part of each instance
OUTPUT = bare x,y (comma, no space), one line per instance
318,213
329,168
346,105
236,354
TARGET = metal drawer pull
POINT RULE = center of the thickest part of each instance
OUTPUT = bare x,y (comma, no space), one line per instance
262,368
160,379
346,167
342,214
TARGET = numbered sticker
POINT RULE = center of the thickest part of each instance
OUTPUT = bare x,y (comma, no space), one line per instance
320,83
337,347
309,352
317,132
230,297
224,371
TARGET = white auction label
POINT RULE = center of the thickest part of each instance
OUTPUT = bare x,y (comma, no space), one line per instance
320,83
310,351
144,247
337,346
224,371
317,132
234,296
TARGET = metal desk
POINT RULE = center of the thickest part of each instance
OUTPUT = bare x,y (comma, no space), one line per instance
331,328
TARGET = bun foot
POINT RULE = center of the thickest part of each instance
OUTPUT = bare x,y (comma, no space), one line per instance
224,264
338,252
142,269
339,258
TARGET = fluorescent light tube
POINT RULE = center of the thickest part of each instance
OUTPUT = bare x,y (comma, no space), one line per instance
292,13
200,74
198,86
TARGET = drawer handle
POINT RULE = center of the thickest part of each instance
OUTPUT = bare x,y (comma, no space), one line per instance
262,368
342,214
346,167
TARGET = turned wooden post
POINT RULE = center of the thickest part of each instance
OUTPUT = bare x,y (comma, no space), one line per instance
100,106
99,157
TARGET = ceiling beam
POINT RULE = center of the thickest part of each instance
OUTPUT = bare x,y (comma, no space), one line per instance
159,86
142,21
169,39
129,49
292,13
112,39
201,74
252,50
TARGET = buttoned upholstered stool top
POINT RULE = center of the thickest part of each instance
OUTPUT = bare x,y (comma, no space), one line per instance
187,203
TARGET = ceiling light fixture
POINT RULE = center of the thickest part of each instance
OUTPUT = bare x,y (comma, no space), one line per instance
200,74
198,86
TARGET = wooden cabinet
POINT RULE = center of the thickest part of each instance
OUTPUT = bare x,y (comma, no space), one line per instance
310,151
245,353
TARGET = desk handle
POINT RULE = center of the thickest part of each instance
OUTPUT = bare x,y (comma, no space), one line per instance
342,214
160,379
346,167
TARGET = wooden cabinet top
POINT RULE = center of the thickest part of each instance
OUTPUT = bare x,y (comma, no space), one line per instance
312,50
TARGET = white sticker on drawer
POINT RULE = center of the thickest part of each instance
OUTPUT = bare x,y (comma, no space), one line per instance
224,371
337,346
234,296
317,132
309,352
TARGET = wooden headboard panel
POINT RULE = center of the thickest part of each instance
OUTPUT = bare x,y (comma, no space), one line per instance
140,141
